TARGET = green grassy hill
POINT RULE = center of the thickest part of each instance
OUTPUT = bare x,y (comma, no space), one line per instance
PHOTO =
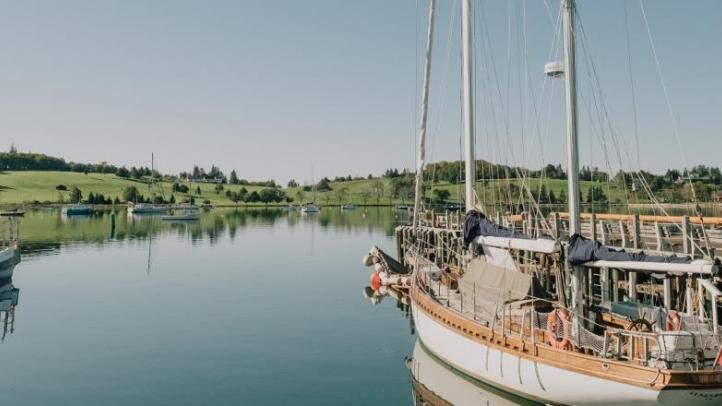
40,186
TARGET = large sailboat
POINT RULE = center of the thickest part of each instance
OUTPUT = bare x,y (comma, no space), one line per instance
547,314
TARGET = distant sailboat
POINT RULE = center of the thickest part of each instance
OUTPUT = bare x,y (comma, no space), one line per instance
311,207
148,208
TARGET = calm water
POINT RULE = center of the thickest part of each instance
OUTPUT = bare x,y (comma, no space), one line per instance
246,307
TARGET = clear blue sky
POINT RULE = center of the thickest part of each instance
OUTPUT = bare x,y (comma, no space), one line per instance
274,88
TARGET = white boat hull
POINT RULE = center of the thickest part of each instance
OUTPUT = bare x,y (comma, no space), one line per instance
453,387
538,381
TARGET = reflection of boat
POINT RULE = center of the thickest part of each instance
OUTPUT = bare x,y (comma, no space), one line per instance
9,296
435,383
310,208
145,208
12,213
181,217
348,207
77,210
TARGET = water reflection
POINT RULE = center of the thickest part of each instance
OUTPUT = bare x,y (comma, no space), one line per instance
9,295
46,231
435,383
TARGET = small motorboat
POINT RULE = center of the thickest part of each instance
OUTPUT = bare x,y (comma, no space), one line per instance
348,207
183,213
145,208
78,210
310,208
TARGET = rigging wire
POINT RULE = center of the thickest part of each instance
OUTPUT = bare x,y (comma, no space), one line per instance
666,97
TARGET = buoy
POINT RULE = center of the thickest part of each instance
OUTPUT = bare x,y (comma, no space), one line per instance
375,281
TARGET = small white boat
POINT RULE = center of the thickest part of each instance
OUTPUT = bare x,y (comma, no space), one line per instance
183,213
348,207
145,208
310,208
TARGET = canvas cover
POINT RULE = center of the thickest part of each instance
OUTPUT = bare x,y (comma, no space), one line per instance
494,285
583,250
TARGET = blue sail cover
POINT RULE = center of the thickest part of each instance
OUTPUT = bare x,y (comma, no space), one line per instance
583,250
477,224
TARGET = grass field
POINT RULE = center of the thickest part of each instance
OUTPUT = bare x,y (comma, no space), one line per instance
40,186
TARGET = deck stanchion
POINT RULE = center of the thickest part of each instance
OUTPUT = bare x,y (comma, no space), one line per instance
685,234
632,286
473,295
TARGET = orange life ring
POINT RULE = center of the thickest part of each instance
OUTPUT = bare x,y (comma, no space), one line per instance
552,320
673,322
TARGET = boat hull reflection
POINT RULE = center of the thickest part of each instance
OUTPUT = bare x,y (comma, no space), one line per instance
436,383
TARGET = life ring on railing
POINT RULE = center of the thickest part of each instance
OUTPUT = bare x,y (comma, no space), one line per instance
559,315
673,322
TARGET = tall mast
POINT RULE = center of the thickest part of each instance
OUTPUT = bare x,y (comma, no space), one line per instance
571,117
424,113
468,103
152,169
577,299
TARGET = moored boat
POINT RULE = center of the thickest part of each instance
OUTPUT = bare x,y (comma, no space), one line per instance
78,210
310,208
145,208
183,213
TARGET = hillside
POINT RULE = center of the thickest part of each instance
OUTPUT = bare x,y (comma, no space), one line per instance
40,186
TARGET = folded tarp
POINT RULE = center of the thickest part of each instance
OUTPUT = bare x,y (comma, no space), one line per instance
477,224
496,285
583,250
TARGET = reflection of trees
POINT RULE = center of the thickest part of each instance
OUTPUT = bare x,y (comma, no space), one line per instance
46,232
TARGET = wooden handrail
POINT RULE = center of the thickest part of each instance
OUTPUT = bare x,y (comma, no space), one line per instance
649,218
